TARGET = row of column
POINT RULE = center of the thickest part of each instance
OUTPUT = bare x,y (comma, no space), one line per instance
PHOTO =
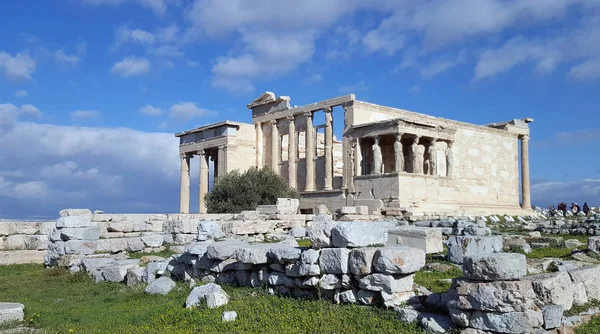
417,156
220,169
310,146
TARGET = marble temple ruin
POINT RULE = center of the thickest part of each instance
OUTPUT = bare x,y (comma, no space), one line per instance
391,160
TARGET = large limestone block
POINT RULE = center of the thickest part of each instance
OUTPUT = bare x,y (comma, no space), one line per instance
10,312
224,249
121,226
386,283
7,228
111,245
497,266
198,248
511,322
22,256
36,242
360,260
209,230
334,260
254,254
161,286
80,247
252,227
153,240
214,295
499,296
284,254
15,241
320,232
358,234
553,288
589,276
461,246
116,272
75,212
399,260
27,227
288,206
93,264
594,244
83,233
427,239
552,316
135,244
74,221
46,228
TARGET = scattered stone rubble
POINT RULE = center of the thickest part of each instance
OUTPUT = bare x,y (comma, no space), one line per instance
350,262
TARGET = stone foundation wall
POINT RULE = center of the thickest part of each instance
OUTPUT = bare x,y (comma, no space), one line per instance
24,241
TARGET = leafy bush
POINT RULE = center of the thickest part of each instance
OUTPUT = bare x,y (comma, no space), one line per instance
236,192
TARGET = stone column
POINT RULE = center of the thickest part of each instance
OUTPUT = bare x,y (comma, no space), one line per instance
398,154
292,152
203,180
310,153
357,158
525,186
328,149
259,144
222,160
274,146
184,193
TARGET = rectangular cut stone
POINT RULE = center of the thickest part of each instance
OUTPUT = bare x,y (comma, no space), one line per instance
594,244
334,260
83,233
74,221
252,227
36,242
15,241
399,260
497,266
7,228
360,261
461,246
427,239
499,296
553,288
287,206
589,276
511,322
386,283
80,246
27,227
358,234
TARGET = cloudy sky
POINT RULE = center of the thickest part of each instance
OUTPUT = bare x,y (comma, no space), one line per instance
91,91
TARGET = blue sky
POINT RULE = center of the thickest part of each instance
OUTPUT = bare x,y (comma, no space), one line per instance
91,91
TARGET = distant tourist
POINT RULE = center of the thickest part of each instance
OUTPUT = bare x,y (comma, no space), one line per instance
586,208
562,206
575,208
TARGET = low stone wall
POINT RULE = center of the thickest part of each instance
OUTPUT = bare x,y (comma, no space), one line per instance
24,241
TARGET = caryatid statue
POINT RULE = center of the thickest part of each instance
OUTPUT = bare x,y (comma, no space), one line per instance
449,159
432,151
416,157
377,157
398,154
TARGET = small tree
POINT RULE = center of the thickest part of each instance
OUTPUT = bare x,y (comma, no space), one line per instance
236,192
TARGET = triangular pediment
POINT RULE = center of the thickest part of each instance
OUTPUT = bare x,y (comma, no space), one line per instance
265,98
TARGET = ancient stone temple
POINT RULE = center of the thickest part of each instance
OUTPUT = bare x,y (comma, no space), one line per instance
391,160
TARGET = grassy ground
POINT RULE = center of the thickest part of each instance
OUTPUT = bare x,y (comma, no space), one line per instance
436,281
59,302
138,255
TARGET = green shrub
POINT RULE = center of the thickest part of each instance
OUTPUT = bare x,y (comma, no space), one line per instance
236,192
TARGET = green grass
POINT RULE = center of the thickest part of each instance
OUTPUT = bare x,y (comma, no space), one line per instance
164,253
60,302
432,280
304,243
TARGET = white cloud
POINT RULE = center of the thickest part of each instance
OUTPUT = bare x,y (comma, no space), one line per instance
588,70
184,111
21,93
30,110
131,66
9,113
414,89
150,110
64,58
580,191
81,114
442,64
159,7
19,67
96,168
124,35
